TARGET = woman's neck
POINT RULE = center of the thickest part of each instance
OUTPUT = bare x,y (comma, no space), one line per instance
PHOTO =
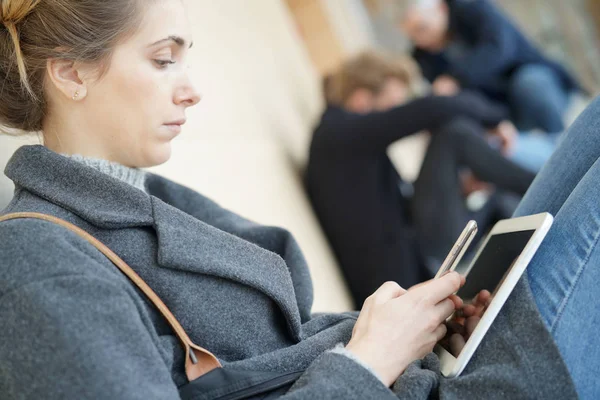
70,134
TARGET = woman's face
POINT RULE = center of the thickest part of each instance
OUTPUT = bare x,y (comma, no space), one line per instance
138,106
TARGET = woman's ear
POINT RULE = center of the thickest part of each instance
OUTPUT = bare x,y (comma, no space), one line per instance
65,76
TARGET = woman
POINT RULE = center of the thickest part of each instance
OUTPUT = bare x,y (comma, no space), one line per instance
107,80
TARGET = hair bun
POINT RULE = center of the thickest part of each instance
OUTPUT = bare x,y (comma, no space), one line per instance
13,11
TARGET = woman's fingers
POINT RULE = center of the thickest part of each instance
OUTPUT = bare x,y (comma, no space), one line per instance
457,343
455,327
458,303
440,332
386,292
439,289
478,306
444,309
483,298
469,310
471,324
463,280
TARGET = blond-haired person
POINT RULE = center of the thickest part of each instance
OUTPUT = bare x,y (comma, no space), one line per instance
379,226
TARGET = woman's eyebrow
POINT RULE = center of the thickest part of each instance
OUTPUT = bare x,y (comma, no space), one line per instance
177,39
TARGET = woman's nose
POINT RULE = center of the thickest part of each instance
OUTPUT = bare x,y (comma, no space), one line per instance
187,96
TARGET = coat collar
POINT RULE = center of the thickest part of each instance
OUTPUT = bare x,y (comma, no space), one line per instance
98,198
188,244
185,242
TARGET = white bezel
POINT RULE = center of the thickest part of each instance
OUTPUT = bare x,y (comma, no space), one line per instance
541,223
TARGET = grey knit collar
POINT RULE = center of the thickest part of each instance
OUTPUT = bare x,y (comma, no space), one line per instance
133,176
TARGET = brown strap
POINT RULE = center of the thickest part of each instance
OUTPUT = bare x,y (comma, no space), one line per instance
199,361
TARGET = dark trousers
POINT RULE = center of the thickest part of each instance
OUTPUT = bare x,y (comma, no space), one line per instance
438,205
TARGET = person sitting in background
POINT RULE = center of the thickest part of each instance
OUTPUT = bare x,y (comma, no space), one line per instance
471,44
357,193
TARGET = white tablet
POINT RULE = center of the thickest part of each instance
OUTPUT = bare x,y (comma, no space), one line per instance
497,267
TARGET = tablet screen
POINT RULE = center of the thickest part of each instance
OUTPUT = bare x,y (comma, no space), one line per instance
483,279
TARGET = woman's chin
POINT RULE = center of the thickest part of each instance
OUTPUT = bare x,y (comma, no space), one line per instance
158,155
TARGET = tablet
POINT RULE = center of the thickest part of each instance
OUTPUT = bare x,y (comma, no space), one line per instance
496,268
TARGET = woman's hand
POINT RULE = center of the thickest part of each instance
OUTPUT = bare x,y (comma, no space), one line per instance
462,326
478,306
397,327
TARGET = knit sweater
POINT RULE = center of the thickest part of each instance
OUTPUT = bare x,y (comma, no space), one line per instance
133,176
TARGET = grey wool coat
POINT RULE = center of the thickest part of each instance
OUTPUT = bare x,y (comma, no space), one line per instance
73,327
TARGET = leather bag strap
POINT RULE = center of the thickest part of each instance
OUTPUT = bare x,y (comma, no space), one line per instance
198,361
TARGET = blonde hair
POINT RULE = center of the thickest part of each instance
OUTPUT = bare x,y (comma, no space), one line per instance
369,70
34,31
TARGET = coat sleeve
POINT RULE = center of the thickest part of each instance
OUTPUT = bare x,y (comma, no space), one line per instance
77,337
335,376
82,335
494,47
376,131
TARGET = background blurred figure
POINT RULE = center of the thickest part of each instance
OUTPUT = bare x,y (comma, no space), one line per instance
378,228
472,44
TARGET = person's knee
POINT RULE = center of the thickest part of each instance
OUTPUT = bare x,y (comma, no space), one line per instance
531,79
460,127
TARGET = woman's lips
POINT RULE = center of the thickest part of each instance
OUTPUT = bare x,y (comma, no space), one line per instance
175,126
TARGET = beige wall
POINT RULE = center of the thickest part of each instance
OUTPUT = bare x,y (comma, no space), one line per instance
332,30
350,21
325,48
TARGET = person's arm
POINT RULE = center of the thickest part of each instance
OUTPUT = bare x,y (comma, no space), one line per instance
336,376
376,131
57,341
494,48
77,336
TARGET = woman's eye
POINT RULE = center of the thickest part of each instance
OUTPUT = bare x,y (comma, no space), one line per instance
163,63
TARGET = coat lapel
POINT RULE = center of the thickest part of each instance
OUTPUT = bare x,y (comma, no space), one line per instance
188,244
185,242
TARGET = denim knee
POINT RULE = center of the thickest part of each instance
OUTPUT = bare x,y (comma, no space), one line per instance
532,79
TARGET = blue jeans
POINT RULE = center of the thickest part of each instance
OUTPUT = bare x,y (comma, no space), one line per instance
538,98
565,273
533,150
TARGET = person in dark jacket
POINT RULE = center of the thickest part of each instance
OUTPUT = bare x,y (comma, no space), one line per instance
376,231
471,44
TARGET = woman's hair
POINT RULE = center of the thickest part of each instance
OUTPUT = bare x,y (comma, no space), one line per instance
369,70
34,31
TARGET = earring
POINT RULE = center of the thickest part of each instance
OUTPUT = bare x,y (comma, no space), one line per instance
76,95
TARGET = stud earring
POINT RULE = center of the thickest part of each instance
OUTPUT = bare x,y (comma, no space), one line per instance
76,95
